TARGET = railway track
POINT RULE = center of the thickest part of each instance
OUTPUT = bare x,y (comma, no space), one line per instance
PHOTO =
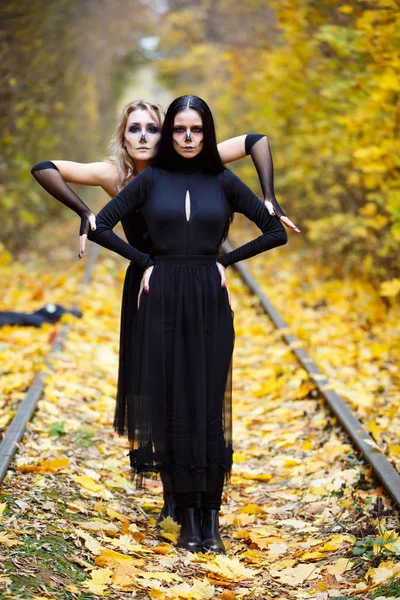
26,408
360,438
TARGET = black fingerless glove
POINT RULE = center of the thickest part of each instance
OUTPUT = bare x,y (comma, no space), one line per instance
257,146
50,178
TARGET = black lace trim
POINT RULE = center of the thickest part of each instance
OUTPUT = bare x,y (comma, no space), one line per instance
144,464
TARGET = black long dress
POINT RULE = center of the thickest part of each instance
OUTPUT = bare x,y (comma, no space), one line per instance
174,398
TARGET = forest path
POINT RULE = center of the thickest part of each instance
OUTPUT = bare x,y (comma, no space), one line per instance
73,526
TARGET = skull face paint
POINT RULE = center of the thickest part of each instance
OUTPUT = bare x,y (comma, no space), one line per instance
188,135
142,135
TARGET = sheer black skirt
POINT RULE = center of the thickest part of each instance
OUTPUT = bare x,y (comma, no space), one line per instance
174,396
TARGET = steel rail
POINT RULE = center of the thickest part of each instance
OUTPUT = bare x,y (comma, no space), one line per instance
26,408
361,439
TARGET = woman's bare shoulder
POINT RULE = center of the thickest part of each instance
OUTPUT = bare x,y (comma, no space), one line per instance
103,174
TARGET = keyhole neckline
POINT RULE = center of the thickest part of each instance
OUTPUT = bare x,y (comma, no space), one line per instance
187,206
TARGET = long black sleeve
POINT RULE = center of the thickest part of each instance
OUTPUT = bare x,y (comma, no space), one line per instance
246,202
257,145
50,178
131,197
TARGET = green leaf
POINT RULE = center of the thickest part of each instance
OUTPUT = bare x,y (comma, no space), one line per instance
57,429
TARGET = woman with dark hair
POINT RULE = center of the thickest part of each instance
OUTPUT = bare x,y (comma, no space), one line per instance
178,406
134,146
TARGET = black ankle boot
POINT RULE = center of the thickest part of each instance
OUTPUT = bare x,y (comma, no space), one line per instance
190,536
169,509
211,539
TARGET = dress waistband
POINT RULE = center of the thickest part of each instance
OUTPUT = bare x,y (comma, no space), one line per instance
185,259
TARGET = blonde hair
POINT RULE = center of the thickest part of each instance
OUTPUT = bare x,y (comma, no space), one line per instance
119,156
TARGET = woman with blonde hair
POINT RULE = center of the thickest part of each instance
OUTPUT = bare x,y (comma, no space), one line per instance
179,404
134,147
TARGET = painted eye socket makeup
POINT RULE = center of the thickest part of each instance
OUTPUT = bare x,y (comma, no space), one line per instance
149,129
179,129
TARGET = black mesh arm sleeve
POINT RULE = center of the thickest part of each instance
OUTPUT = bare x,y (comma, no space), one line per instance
257,145
131,197
244,201
50,178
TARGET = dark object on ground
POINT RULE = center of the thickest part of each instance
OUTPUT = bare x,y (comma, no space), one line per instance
51,313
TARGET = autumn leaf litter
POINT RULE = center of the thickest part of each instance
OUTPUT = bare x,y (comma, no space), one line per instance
299,505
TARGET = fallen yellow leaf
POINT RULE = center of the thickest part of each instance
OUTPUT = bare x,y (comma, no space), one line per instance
258,476
110,558
113,514
170,535
9,542
47,466
252,509
109,528
124,576
89,484
100,578
73,589
90,542
294,576
229,569
3,506
239,519
162,549
340,566
169,525
385,571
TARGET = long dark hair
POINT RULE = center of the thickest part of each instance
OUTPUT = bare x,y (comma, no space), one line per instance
209,159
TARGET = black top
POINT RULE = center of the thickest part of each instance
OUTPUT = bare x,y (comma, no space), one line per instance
49,177
160,196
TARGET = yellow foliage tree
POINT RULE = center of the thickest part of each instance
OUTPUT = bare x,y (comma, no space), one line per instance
326,92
